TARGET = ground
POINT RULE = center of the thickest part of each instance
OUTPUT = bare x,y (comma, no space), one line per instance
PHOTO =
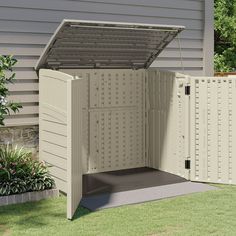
210,213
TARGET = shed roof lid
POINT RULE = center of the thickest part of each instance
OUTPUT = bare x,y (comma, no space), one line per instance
97,44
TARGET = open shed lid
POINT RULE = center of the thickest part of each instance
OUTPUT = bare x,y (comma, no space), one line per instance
96,44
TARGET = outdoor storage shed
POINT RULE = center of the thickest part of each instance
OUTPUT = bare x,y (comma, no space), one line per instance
102,108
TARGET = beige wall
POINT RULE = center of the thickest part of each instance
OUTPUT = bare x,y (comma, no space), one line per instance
26,26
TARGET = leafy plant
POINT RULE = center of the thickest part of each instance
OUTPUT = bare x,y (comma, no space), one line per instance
20,173
225,35
6,77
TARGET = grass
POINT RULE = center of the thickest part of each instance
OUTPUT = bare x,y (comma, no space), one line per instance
210,213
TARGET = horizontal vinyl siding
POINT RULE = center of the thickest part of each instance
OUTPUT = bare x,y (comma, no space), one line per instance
27,25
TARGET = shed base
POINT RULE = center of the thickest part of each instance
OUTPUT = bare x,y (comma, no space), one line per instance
125,180
109,200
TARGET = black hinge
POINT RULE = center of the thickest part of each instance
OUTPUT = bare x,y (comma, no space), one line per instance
187,164
187,90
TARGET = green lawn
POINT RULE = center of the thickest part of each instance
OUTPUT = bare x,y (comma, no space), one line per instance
210,213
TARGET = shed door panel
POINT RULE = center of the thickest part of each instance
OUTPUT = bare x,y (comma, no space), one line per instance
213,130
167,124
53,124
117,124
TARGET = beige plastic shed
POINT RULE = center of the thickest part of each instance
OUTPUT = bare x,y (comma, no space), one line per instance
102,108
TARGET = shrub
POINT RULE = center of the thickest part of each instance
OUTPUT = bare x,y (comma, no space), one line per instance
225,35
20,173
6,77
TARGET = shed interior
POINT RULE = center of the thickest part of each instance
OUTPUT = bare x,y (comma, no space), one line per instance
131,119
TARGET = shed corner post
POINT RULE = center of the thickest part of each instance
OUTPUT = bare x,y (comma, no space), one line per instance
40,115
69,153
74,162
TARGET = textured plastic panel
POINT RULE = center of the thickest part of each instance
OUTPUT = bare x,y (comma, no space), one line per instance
116,134
166,126
94,44
213,129
117,137
113,119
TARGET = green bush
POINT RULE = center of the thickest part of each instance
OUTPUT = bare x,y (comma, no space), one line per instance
225,35
20,173
6,76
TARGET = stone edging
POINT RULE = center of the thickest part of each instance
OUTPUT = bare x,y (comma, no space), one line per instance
28,197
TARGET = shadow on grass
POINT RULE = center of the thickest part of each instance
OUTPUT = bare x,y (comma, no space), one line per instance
81,212
36,215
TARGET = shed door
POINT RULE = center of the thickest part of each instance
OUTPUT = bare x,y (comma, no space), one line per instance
167,122
213,130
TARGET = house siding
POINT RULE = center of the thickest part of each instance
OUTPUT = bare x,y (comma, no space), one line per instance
27,25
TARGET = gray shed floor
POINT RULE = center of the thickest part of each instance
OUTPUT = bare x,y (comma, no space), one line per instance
124,180
123,187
